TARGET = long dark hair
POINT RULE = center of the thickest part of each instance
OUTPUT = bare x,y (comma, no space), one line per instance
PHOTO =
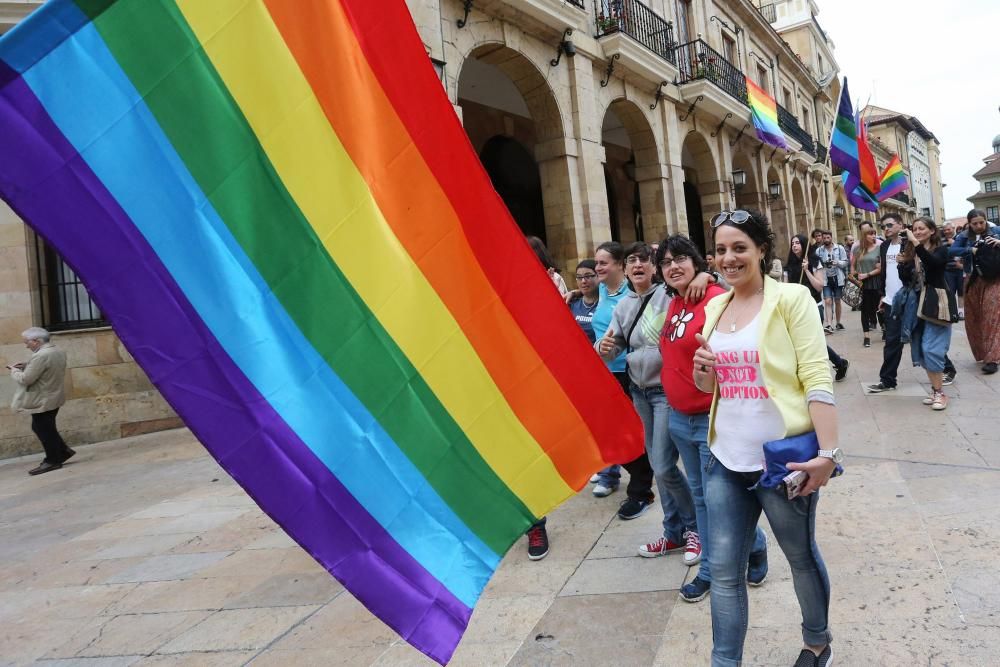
541,252
794,263
974,213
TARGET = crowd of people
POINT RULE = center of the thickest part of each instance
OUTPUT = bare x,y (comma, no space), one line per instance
726,353
721,361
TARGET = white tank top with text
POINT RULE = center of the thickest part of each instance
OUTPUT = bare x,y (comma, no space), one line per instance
745,417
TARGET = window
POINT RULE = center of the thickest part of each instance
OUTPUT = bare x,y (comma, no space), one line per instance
786,95
991,186
762,77
729,48
993,214
683,11
805,120
65,302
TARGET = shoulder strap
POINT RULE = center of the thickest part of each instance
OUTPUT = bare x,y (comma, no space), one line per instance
628,337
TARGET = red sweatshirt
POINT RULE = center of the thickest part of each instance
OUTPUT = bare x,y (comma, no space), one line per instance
677,346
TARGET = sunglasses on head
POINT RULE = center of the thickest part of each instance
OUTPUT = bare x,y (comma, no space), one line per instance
736,217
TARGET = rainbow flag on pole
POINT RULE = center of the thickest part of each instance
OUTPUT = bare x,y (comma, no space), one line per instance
893,179
277,208
764,113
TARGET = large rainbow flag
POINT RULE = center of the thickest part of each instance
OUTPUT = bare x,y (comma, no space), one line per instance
277,208
764,114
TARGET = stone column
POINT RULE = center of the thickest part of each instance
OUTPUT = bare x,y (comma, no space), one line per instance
673,141
15,278
654,187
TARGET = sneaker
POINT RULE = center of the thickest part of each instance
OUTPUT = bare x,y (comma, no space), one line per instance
538,543
842,371
633,508
948,377
929,400
989,368
879,388
595,478
868,342
660,547
809,659
828,329
696,590
757,568
940,401
692,548
840,327
602,491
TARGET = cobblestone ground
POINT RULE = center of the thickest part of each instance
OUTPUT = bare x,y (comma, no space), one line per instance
144,552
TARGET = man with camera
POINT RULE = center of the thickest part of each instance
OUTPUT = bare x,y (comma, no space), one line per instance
834,258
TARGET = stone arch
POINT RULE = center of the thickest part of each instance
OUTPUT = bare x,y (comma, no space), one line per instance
801,222
632,162
505,98
780,214
514,174
754,193
704,194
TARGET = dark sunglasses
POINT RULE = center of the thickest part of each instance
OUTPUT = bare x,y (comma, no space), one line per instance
736,217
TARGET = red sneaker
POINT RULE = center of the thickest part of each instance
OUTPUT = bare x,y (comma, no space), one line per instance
660,547
692,548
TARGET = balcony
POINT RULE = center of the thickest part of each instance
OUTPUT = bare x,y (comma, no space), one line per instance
790,126
769,12
820,153
902,197
643,40
556,15
698,61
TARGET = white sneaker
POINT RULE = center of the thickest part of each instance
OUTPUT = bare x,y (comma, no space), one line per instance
602,491
595,478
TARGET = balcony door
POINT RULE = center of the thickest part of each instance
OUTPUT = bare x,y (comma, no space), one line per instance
682,10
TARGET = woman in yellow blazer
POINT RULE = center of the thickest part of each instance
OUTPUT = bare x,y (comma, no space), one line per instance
763,356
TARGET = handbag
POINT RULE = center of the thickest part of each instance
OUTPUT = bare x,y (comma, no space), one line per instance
937,305
794,449
852,294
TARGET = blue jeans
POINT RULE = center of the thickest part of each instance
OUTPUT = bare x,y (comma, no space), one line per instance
734,506
610,476
929,346
689,435
675,494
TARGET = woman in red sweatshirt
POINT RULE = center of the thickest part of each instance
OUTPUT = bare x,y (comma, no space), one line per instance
679,262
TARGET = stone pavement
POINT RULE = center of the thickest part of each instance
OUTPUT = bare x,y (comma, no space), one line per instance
143,551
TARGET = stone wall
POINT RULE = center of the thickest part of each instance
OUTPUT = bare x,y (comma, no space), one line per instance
108,394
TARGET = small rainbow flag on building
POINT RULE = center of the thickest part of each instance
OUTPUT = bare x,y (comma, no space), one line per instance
764,112
893,179
277,208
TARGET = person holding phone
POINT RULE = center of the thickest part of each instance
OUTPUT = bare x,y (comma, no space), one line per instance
40,392
763,358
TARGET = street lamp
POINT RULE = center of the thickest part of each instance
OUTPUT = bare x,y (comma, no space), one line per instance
838,211
739,178
774,190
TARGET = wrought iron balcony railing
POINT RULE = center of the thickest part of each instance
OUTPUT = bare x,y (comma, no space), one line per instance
903,197
639,22
576,3
697,60
820,153
790,126
769,12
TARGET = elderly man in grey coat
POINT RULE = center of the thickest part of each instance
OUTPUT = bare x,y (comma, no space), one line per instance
40,392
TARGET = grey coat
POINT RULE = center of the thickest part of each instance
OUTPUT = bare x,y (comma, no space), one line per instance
40,385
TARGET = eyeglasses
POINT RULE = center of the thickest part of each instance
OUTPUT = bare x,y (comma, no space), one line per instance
737,217
586,276
635,259
676,260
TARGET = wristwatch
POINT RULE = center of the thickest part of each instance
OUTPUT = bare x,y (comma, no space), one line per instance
836,455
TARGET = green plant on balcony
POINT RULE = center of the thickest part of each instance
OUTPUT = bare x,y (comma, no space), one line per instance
708,69
606,24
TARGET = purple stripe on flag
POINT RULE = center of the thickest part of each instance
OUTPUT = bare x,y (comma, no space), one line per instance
49,185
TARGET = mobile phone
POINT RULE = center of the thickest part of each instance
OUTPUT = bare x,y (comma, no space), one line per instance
794,483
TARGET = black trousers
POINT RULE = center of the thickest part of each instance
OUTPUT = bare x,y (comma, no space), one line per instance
892,353
870,299
44,426
640,472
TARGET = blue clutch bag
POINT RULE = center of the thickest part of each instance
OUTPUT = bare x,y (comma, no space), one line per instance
796,449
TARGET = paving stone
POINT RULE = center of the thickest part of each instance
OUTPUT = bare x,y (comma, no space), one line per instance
235,629
168,567
627,575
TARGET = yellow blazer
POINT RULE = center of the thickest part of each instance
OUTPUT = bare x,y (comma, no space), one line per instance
792,347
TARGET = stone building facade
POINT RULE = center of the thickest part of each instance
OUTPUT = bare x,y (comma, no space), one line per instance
640,128
108,394
988,197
